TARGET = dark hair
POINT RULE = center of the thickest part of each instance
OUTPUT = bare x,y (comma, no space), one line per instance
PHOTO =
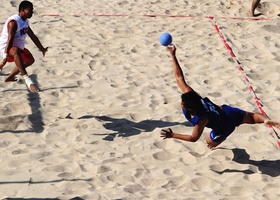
192,100
24,4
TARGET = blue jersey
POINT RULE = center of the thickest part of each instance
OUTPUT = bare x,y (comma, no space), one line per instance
214,112
222,121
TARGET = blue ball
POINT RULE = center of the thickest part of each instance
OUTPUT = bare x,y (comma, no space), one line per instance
165,39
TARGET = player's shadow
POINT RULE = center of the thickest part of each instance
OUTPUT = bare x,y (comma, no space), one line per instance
257,15
35,118
122,127
268,167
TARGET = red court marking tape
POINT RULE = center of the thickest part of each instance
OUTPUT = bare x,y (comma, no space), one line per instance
156,15
246,80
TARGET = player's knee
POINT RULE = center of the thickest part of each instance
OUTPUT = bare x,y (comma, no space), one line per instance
208,139
210,143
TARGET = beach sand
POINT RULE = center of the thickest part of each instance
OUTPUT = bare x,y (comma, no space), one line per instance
93,132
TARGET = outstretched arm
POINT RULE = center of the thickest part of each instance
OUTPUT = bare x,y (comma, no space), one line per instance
178,73
196,133
36,41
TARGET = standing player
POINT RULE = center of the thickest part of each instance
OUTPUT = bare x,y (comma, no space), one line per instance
12,44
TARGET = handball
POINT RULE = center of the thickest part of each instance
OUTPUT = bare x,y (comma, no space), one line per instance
165,39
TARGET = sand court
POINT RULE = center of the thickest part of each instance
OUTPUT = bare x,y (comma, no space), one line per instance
108,89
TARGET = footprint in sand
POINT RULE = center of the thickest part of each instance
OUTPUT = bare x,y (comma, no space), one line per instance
268,8
103,169
272,28
202,182
173,172
164,156
66,175
217,168
133,188
139,172
14,3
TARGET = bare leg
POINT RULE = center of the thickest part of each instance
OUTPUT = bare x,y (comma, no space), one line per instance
20,66
255,4
249,118
253,118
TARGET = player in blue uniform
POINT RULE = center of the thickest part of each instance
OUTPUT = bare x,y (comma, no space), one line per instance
201,113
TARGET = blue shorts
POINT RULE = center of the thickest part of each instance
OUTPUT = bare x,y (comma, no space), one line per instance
233,118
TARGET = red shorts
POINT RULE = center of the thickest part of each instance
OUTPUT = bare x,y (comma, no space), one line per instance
24,54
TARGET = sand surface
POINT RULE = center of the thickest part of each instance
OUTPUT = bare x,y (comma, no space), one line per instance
108,89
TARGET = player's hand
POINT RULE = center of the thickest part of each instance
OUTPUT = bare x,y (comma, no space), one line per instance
44,50
172,49
3,63
166,133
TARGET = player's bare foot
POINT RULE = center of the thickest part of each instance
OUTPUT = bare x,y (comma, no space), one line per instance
11,79
2,64
33,88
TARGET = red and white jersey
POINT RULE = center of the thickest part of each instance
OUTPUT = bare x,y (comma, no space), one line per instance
20,36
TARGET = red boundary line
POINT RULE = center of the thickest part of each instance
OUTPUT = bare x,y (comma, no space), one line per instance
246,80
155,15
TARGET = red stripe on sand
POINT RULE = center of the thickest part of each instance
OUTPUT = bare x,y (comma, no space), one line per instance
246,80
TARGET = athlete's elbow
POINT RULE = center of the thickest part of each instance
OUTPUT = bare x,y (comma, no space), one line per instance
194,139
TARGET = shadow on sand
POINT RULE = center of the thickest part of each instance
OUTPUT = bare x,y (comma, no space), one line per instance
122,127
35,118
268,167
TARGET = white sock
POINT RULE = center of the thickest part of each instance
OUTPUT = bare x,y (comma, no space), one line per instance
28,80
